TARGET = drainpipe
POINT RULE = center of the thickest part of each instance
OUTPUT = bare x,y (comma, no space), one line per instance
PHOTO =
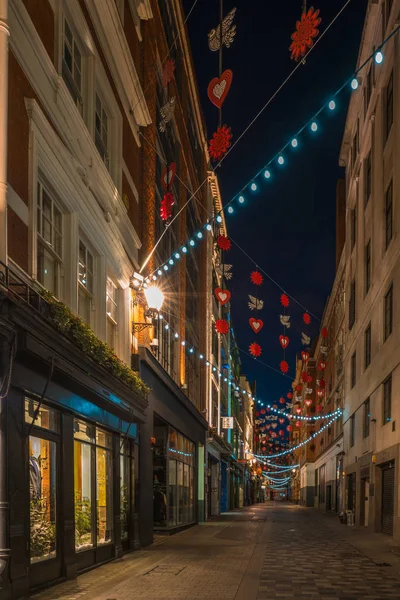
4,34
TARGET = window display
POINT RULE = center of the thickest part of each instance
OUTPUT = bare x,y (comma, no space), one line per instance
104,487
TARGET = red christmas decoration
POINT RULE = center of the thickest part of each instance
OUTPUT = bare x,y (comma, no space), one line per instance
257,414
218,88
281,420
223,296
281,432
284,367
282,400
255,349
305,356
298,423
256,278
263,411
308,401
322,383
274,406
319,408
299,387
289,395
305,33
324,332
166,206
304,376
289,428
224,242
309,379
220,142
256,324
168,175
168,72
285,300
284,341
306,318
321,365
221,326
298,411
320,393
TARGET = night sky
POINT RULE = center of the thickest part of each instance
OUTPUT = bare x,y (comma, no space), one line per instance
288,225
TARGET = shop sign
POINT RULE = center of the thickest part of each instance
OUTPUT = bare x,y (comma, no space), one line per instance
227,422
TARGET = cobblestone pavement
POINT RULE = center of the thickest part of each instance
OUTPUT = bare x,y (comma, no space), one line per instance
267,552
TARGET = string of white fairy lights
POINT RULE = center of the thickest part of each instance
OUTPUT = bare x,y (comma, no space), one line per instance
267,170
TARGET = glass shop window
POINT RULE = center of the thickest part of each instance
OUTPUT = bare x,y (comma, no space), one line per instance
127,478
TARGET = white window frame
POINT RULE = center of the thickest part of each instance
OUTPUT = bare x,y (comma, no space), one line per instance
112,317
81,287
104,130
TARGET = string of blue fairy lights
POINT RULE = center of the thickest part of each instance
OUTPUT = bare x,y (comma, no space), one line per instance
267,170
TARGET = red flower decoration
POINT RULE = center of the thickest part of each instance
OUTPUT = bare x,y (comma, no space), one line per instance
299,387
304,376
223,242
220,142
284,367
281,432
309,378
285,300
322,383
298,423
306,32
319,408
289,428
263,411
289,395
324,332
282,400
255,349
256,278
166,206
306,318
168,72
221,326
257,414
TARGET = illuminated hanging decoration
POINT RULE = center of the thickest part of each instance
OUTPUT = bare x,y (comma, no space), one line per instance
254,303
167,112
221,326
324,332
285,300
289,395
168,175
220,142
306,318
305,339
305,356
304,35
228,30
256,324
256,278
224,270
255,349
223,296
218,88
168,72
166,206
224,242
284,341
285,321
284,367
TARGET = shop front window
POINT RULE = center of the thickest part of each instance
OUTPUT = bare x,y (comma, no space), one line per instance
104,486
125,488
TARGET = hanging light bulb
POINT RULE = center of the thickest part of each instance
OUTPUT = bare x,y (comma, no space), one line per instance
354,83
379,57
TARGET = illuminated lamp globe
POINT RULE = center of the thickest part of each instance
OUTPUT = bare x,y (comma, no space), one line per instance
154,298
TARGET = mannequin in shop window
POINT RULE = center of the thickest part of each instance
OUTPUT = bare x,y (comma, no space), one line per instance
159,502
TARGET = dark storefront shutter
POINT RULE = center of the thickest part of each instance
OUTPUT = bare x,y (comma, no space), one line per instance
387,499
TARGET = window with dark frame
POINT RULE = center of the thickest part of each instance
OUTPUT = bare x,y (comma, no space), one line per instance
368,178
353,226
367,346
389,106
389,214
388,316
353,370
352,430
387,400
72,65
367,267
366,417
352,304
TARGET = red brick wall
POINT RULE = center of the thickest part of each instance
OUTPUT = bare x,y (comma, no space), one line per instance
133,41
42,15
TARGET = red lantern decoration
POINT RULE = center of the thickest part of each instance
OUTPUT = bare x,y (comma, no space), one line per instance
324,332
224,242
221,326
284,367
284,341
306,318
255,349
166,206
220,142
285,300
289,395
256,278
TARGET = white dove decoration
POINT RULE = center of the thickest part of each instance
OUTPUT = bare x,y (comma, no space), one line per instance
228,33
255,303
305,339
285,320
167,112
224,271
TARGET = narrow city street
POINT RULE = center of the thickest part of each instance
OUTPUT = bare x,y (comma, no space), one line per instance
264,552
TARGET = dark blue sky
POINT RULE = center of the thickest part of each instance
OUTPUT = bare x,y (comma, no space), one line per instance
288,225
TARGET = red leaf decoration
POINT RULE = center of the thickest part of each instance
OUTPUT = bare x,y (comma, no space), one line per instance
255,349
221,326
256,278
218,88
284,341
224,242
166,206
284,367
256,324
285,300
305,33
168,72
324,332
289,395
220,142
223,296
306,318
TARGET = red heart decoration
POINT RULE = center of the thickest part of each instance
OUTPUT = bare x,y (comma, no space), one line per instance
218,88
305,356
281,420
309,378
223,296
320,393
256,324
308,402
322,365
167,178
284,341
289,395
298,411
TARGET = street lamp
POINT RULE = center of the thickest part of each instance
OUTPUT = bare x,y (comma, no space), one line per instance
154,298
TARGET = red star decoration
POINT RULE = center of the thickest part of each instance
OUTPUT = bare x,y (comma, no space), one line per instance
221,326
256,278
306,32
223,242
220,142
255,349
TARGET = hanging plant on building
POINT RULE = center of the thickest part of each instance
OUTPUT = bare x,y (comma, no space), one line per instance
305,33
220,142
